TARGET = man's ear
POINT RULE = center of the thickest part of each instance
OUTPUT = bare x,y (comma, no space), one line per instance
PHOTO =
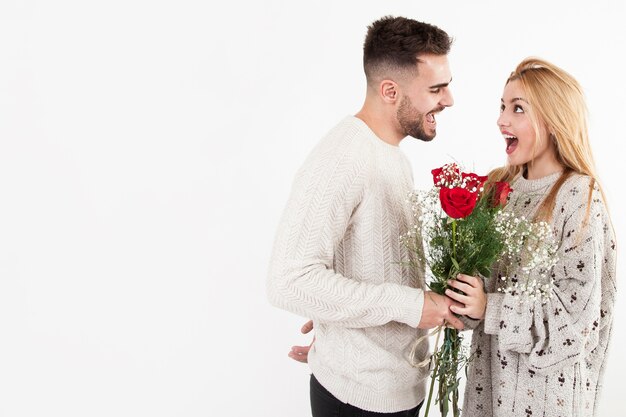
389,91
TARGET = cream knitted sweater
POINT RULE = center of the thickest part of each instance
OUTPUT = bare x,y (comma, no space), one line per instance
336,259
548,359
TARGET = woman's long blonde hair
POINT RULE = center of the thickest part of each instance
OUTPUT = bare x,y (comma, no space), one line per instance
556,101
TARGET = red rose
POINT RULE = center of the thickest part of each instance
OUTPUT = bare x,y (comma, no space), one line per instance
501,193
473,182
457,202
445,175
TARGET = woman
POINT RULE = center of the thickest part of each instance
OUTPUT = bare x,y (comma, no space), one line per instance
545,358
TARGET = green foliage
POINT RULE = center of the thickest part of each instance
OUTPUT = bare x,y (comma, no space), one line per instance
469,246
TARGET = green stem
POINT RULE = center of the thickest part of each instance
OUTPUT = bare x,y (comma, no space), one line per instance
454,239
432,380
455,393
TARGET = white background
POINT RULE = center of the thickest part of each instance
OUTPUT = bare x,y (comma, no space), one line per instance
146,152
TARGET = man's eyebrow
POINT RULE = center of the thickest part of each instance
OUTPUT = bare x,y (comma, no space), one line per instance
441,84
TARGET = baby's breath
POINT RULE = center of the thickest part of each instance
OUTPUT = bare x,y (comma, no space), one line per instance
530,253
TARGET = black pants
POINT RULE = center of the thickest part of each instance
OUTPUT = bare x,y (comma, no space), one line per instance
324,404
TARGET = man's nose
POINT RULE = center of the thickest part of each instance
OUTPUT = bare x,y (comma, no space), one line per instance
447,100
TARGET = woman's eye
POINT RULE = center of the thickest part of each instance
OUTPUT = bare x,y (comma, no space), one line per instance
518,109
501,108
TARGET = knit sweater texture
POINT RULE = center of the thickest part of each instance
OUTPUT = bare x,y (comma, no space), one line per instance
337,259
547,359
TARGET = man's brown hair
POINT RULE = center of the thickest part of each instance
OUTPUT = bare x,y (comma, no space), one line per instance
395,44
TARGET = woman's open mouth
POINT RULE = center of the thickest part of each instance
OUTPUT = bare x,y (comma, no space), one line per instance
511,143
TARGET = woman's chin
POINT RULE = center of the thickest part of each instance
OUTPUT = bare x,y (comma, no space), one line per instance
513,160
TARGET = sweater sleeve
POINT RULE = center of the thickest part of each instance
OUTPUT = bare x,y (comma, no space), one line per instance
469,323
564,329
327,190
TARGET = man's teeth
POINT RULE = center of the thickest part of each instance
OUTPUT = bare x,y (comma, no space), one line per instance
430,117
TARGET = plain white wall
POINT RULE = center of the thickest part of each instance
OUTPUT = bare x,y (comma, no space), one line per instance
146,153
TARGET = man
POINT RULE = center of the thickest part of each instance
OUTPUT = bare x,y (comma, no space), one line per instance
337,257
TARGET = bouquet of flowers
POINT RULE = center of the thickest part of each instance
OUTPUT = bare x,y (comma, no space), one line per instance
460,227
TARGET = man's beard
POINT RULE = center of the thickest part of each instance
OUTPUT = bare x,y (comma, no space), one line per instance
412,121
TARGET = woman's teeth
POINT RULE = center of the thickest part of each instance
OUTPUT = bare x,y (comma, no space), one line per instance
511,143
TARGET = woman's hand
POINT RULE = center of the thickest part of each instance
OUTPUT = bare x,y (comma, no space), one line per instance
474,300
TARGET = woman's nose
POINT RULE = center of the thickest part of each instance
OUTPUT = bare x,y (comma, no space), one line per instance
502,120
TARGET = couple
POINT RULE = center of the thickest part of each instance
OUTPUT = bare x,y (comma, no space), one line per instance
337,253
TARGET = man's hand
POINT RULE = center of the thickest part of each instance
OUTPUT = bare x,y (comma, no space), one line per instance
474,300
436,312
301,353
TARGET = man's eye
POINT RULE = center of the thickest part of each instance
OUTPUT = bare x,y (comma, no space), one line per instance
435,91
